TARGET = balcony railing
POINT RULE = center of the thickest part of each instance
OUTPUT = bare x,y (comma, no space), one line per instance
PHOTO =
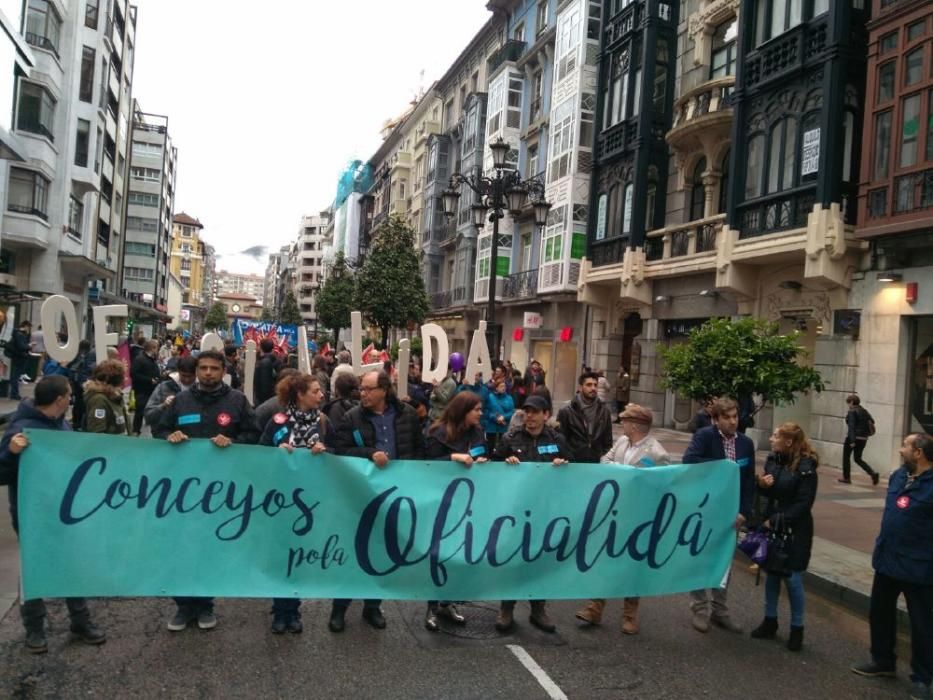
692,238
780,212
441,300
712,96
788,52
511,50
521,285
608,252
451,298
42,42
616,138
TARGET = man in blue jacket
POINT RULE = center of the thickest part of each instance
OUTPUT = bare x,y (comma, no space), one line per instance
722,440
45,412
903,563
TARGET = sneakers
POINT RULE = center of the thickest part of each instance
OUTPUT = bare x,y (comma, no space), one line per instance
725,622
873,670
430,620
88,632
920,691
207,620
35,641
451,614
700,622
184,616
844,481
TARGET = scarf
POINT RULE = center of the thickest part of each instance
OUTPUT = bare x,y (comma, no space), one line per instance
306,426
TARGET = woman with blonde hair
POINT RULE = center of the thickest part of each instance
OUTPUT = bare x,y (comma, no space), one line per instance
789,483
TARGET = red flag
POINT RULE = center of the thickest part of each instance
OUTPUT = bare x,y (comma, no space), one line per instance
326,349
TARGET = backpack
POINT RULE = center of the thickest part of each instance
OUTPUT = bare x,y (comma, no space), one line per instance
870,423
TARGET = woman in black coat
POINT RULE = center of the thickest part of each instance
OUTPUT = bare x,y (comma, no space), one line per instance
789,483
456,436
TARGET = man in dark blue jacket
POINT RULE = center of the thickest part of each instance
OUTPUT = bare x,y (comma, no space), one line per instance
903,563
722,440
45,412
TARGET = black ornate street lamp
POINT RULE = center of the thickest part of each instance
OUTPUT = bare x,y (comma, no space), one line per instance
503,190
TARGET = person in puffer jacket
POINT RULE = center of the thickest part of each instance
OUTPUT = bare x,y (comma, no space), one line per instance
104,409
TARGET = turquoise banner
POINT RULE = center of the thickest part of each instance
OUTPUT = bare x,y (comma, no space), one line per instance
118,516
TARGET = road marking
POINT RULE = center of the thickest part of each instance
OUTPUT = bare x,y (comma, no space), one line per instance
544,680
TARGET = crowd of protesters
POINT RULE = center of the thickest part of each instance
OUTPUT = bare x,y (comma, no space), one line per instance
507,417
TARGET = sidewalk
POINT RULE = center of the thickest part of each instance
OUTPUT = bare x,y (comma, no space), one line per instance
847,518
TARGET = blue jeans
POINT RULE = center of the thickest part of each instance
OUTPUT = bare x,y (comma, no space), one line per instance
794,592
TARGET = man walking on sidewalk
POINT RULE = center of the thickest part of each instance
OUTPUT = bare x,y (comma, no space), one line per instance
46,411
903,563
722,440
859,426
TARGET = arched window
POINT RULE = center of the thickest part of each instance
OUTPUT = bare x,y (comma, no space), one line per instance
724,183
615,210
602,215
697,191
756,159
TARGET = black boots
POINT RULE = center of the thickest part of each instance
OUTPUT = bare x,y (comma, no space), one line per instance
767,629
795,641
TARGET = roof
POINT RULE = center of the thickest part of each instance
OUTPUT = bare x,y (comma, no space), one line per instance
184,219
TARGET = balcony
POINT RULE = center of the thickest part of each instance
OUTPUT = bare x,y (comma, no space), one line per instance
451,299
608,252
780,212
521,285
511,50
615,139
42,42
913,192
706,108
676,243
401,159
788,53
441,300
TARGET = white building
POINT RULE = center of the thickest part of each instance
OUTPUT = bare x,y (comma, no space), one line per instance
62,205
310,252
239,283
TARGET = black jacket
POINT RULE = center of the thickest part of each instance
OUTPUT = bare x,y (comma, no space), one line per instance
858,420
18,346
584,447
546,447
792,495
201,414
145,374
336,409
233,369
267,368
439,446
26,416
266,410
356,436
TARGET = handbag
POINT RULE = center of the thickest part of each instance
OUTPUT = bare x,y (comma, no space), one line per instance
779,541
755,546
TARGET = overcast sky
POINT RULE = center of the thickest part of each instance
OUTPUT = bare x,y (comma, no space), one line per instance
267,109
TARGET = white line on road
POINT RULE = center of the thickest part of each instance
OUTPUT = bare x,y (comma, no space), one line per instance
550,687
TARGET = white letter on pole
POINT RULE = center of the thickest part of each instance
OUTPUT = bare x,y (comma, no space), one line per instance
249,371
404,356
429,373
103,339
478,360
51,307
356,345
304,357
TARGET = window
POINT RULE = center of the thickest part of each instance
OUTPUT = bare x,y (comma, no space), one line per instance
513,117
616,109
561,140
449,114
144,199
43,25
886,81
913,66
401,188
494,109
698,191
882,145
134,248
541,18
146,174
537,94
75,217
910,128
821,6
722,61
568,41
659,96
138,273
36,110
28,193
587,117
776,17
756,157
474,84
519,32
782,155
651,198
86,86
532,169
82,143
627,209
930,126
916,30
141,148
91,12
139,223
724,184
887,43
552,242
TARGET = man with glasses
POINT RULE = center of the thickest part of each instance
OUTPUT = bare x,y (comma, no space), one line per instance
380,429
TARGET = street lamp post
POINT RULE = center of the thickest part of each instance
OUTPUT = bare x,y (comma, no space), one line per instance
503,190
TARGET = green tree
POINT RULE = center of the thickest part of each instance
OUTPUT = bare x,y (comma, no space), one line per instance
267,314
216,317
334,301
290,315
739,358
389,288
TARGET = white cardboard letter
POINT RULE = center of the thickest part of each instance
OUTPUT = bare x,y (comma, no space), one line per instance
356,346
429,373
304,358
478,360
51,307
404,356
249,370
103,339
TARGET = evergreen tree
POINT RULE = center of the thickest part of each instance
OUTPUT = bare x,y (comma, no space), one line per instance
290,315
738,359
217,318
389,288
334,301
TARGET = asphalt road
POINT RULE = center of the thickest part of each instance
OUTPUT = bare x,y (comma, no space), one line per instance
241,658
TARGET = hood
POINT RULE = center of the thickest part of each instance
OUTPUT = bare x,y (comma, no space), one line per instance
92,386
209,396
27,412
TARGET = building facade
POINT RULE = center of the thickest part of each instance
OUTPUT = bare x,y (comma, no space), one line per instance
239,283
150,205
188,259
63,202
310,266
